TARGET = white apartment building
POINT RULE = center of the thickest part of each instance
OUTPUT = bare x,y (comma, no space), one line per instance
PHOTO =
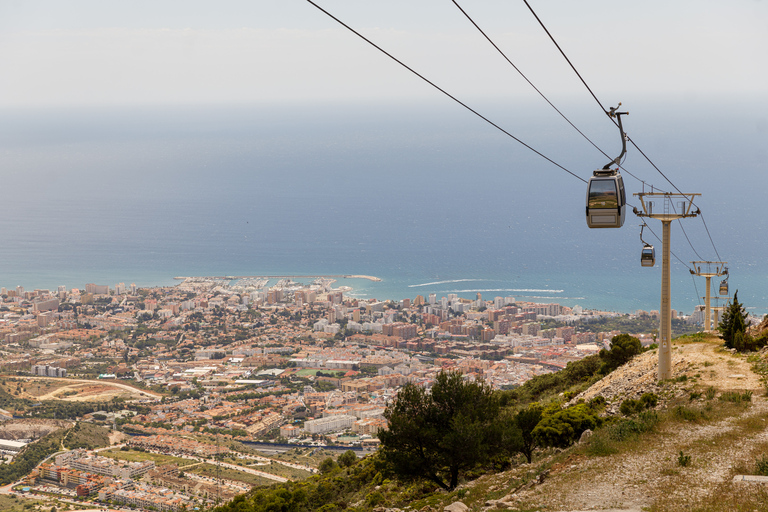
329,424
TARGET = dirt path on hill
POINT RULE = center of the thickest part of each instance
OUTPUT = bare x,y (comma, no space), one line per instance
650,474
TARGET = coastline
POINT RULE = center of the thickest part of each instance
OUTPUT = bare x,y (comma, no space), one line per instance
589,291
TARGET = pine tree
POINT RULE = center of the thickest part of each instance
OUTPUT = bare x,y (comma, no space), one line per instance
734,322
440,434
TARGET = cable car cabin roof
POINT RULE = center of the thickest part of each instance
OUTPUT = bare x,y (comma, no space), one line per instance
606,199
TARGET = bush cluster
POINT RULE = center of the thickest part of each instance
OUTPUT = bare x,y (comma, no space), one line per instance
631,406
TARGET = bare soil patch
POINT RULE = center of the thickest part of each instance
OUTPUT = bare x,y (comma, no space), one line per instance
30,428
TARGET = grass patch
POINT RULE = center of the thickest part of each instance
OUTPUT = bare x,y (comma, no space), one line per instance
761,465
275,468
736,397
86,435
34,388
15,504
211,471
689,414
619,435
727,497
307,456
752,424
139,456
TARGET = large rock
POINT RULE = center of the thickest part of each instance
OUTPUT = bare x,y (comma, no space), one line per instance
585,436
456,506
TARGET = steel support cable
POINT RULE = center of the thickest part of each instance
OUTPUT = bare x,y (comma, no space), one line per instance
689,240
634,144
698,296
358,34
679,221
564,55
585,85
710,237
593,94
526,78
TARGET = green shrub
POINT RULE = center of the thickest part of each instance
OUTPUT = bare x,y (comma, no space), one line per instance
736,397
686,413
710,393
600,445
374,499
597,403
626,429
683,460
347,459
561,428
761,466
649,400
623,348
629,407
649,419
327,465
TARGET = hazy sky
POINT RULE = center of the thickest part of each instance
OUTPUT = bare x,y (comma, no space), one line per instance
97,52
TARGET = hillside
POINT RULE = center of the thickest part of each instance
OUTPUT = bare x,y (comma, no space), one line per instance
723,435
710,424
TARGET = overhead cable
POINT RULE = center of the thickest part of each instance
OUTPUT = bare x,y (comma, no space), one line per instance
525,77
634,144
358,34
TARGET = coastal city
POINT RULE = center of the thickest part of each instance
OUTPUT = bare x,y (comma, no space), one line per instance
177,398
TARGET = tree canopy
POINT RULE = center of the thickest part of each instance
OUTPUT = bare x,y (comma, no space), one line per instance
440,433
623,348
734,322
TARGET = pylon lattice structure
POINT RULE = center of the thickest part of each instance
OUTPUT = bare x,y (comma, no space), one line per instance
673,207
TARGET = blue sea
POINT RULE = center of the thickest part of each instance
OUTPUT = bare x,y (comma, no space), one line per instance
426,197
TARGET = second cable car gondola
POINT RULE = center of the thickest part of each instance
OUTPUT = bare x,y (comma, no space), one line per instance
648,256
724,284
606,198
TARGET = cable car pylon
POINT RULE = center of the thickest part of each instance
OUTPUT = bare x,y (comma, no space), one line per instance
667,214
709,269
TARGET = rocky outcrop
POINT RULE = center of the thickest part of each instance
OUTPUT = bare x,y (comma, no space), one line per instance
30,428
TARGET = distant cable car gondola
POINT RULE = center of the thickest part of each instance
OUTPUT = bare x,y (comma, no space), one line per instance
724,284
648,254
606,198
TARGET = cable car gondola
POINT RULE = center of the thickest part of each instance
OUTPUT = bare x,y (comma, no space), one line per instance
724,284
606,198
648,254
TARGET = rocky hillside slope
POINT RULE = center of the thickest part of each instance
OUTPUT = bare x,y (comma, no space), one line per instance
713,426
